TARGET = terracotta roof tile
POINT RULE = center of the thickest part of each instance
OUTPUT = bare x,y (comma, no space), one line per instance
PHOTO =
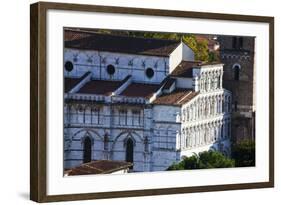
70,35
118,43
140,90
184,69
100,87
98,167
69,83
177,97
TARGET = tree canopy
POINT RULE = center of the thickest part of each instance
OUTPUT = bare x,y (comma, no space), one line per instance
244,153
204,160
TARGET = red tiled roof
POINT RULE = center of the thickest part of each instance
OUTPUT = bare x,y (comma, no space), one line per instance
140,90
70,35
69,83
184,69
117,43
100,87
177,97
98,167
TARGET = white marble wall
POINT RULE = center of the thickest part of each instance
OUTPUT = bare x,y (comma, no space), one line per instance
113,123
125,64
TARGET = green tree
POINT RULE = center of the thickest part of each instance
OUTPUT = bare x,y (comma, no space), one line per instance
204,160
202,52
244,153
213,56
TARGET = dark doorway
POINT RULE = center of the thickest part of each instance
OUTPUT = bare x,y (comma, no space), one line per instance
130,151
87,155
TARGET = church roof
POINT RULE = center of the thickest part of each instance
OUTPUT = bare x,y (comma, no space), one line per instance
140,90
177,97
70,35
70,83
184,69
117,43
98,167
100,87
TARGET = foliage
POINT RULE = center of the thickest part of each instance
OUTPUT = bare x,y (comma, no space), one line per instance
204,160
244,153
213,56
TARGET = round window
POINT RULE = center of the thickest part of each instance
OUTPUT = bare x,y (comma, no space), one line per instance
68,66
110,69
149,72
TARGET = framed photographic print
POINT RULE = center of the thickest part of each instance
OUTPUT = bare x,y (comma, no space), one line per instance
135,102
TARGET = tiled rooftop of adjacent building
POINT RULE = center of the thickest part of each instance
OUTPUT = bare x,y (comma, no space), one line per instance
98,167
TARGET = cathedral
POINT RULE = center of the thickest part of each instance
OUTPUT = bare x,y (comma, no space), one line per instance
140,100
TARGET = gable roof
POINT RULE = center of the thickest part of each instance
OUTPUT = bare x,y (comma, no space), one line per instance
140,90
100,87
117,43
70,83
184,69
177,97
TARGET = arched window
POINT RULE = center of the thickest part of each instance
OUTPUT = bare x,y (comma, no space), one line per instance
105,141
236,71
122,117
95,115
146,144
222,132
87,152
130,151
206,84
81,114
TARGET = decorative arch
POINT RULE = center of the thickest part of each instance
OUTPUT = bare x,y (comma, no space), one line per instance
129,137
128,134
91,132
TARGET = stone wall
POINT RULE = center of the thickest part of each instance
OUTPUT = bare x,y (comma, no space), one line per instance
240,57
124,64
